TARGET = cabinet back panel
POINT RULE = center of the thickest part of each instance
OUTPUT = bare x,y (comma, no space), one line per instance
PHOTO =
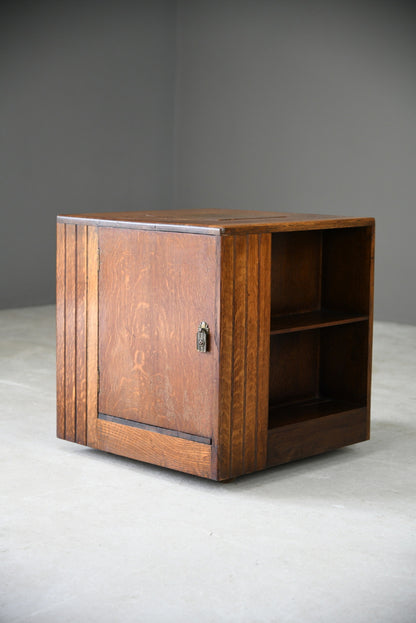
296,272
344,362
294,364
154,290
346,269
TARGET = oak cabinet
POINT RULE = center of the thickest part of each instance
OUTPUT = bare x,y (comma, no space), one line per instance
215,342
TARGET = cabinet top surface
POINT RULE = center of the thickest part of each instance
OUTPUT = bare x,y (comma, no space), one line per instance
215,221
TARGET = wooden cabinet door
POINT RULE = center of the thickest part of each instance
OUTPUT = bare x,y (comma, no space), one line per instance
154,290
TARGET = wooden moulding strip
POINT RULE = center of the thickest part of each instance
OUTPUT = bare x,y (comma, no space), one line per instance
152,447
237,449
156,429
70,331
253,305
60,330
81,336
226,359
92,335
263,356
76,309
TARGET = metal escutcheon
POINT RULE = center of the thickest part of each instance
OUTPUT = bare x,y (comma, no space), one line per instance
202,337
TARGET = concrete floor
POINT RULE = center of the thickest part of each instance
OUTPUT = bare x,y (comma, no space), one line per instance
91,537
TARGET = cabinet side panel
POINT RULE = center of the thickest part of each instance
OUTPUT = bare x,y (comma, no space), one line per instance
60,330
92,335
245,334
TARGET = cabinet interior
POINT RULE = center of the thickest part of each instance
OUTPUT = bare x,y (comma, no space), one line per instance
319,323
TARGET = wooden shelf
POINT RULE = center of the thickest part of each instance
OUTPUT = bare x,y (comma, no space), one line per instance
292,413
312,320
308,429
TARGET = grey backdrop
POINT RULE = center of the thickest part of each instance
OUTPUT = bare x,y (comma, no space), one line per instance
86,118
292,105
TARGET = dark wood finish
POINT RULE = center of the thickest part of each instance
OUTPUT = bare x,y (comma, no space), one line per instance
296,272
215,222
263,346
343,362
318,407
151,447
312,320
239,352
222,449
92,335
316,435
372,239
155,429
251,354
289,302
294,360
60,330
70,332
245,326
154,290
346,270
321,359
77,381
81,336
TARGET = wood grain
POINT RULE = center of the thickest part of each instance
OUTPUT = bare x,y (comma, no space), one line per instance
92,336
296,272
143,445
344,361
310,437
251,354
70,332
346,270
294,361
215,221
76,330
245,325
132,289
239,355
313,320
263,348
155,429
60,330
154,290
221,450
81,336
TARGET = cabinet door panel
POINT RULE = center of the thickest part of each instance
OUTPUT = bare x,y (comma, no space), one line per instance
154,290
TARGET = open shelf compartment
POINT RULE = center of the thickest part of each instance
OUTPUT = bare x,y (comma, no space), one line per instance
319,278
317,372
318,391
319,341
